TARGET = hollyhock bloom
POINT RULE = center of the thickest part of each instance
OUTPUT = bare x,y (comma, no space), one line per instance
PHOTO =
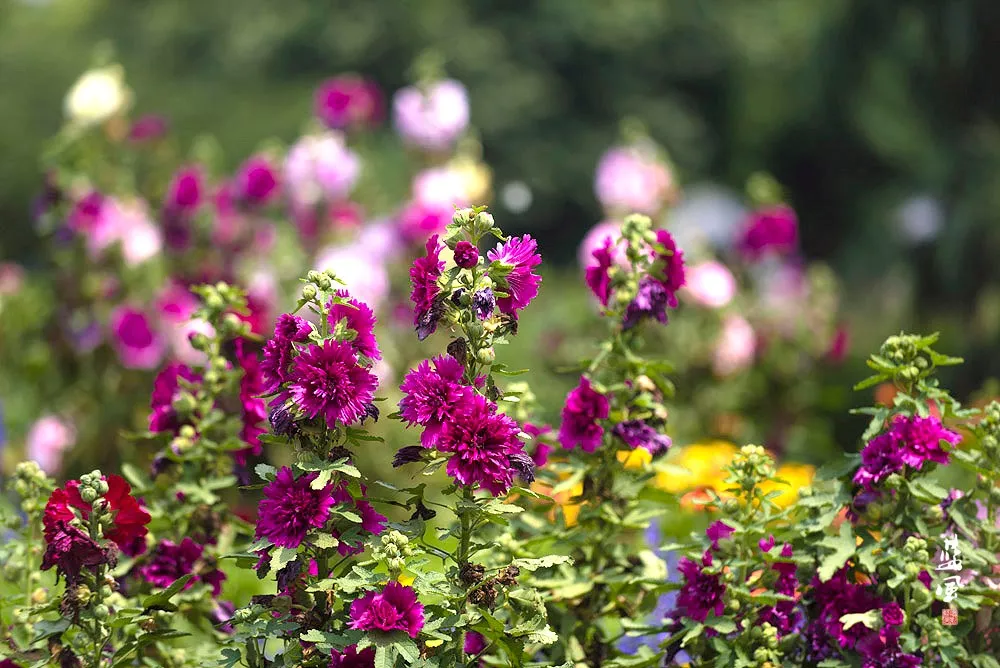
419,219
466,255
291,508
880,458
347,100
98,95
432,118
832,600
170,561
769,230
736,346
638,434
483,303
424,275
148,128
481,441
137,344
431,395
254,408
70,550
361,267
185,192
522,254
328,380
320,168
632,180
47,439
673,275
701,593
921,438
289,329
711,284
717,531
596,238
584,407
598,275
256,182
395,608
540,453
650,301
84,216
352,658
129,519
166,387
358,318
784,615
474,643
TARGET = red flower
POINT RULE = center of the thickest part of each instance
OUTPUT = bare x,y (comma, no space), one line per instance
129,519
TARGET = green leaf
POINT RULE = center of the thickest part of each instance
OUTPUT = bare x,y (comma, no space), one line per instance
385,657
48,628
541,562
161,600
265,471
843,548
722,625
871,619
281,557
135,477
692,633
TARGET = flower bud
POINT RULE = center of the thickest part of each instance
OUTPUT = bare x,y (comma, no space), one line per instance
466,255
232,324
184,404
734,605
912,570
462,217
187,431
483,223
88,494
101,611
83,594
486,355
309,292
39,596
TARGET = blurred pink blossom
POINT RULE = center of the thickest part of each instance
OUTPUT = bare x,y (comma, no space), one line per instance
432,121
320,168
364,277
47,439
595,239
418,221
441,186
348,100
11,278
710,284
632,180
735,347
141,238
138,344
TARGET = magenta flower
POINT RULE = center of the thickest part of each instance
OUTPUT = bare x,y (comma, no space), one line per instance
70,551
770,230
701,593
598,275
352,658
521,253
431,395
672,275
474,643
880,458
278,351
540,453
358,318
185,192
584,407
909,441
419,219
291,508
170,561
254,412
638,434
466,255
395,608
133,338
434,118
148,128
256,182
166,387
328,380
482,442
347,100
717,531
86,213
424,275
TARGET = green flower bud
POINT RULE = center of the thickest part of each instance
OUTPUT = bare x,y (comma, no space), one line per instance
88,494
187,431
214,301
734,605
462,217
486,355
923,556
83,594
184,404
760,655
309,292
912,570
483,223
199,342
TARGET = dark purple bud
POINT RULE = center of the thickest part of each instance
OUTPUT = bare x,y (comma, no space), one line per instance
423,512
466,255
282,421
408,455
459,350
428,321
161,464
483,303
524,465
650,301
371,411
287,575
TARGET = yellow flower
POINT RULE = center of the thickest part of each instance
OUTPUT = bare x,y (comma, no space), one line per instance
477,180
98,95
636,458
405,579
571,511
700,465
797,476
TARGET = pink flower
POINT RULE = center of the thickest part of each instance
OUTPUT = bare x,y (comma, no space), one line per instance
185,192
419,219
441,187
348,100
351,658
360,320
598,272
141,238
584,407
434,120
736,346
256,182
595,239
327,380
362,273
47,439
522,285
291,508
770,230
711,284
394,608
138,345
424,275
320,168
430,396
632,180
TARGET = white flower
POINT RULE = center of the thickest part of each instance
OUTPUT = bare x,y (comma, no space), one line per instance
98,95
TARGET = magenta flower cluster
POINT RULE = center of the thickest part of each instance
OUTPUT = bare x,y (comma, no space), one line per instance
581,413
909,441
395,608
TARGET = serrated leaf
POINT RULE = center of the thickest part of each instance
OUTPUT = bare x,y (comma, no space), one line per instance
871,619
542,562
161,600
722,625
281,557
843,547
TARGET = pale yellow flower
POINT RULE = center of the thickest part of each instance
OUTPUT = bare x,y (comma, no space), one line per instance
476,177
797,476
636,458
98,95
697,465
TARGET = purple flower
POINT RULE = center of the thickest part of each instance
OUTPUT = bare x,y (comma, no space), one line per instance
137,344
291,508
256,182
148,127
166,387
584,407
431,395
483,303
766,544
650,301
638,434
522,285
424,276
598,275
832,600
170,561
71,551
254,409
540,453
185,192
701,592
717,531
432,118
347,100
361,320
466,255
352,658
481,441
289,329
892,614
783,615
921,438
328,380
395,608
672,274
769,230
474,643
879,459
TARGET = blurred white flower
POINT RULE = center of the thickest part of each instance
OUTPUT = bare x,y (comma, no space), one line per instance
710,284
98,95
47,439
363,275
707,213
516,197
920,219
736,346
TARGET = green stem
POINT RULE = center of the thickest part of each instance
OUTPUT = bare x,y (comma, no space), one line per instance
466,535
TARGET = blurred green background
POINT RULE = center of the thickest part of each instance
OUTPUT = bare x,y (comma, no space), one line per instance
879,117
